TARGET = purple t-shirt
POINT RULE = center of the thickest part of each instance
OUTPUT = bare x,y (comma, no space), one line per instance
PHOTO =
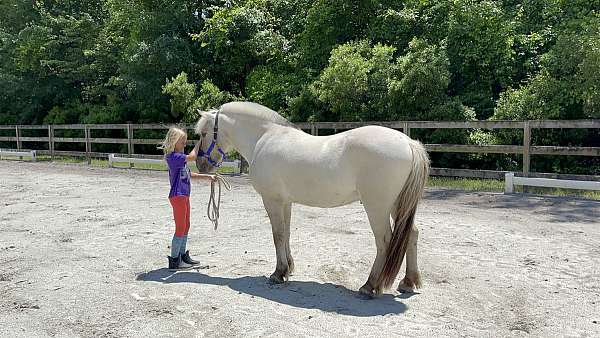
179,174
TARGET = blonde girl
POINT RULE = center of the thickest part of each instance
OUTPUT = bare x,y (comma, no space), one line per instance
180,175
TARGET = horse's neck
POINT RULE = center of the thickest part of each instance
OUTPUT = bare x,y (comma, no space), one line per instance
243,134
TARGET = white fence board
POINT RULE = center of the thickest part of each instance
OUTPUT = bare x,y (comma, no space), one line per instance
511,180
18,153
118,159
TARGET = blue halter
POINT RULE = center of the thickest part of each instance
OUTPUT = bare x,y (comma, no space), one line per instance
214,143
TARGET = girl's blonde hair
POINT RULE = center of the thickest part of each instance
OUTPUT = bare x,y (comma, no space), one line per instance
173,135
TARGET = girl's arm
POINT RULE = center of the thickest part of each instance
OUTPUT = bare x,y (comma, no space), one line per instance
193,154
207,177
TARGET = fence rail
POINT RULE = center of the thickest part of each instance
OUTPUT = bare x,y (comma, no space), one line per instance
526,149
511,180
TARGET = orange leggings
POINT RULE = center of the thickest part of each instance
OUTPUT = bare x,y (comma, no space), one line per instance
181,213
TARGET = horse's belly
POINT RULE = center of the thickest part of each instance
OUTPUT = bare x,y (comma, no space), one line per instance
324,195
308,185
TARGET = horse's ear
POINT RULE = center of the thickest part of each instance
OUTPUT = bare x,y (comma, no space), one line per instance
201,112
198,127
206,113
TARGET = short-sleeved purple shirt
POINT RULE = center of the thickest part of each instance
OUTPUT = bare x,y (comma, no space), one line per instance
179,174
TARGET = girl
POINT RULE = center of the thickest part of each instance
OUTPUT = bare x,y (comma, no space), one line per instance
179,175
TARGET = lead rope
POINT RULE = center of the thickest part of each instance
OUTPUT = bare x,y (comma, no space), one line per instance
212,211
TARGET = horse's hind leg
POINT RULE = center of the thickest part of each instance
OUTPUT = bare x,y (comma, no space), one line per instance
277,210
287,215
379,218
412,279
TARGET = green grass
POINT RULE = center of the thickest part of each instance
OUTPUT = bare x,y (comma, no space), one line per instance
460,183
71,159
587,194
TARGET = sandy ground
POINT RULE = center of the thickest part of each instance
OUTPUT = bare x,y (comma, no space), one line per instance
83,253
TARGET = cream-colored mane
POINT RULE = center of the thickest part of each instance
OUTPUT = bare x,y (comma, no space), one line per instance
245,109
255,111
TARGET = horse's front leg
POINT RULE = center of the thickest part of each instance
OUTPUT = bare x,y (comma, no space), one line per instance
279,214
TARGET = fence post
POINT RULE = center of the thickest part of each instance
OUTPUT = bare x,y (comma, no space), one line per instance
508,183
129,139
406,129
88,145
243,165
130,149
51,141
237,169
526,148
312,128
18,135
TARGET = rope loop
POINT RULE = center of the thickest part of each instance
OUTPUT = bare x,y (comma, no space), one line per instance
212,210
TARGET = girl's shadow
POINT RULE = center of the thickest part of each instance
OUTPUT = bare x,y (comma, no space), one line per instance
309,295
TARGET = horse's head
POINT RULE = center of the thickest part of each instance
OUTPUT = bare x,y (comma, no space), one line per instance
210,151
239,127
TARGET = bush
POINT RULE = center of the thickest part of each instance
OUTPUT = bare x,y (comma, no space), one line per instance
187,100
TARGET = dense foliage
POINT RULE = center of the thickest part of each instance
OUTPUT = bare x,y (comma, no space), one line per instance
110,61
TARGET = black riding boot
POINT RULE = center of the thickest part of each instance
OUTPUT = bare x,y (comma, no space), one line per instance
187,259
177,264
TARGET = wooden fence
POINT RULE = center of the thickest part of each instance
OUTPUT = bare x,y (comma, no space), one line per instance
526,149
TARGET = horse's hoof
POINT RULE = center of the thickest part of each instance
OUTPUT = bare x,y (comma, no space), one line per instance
366,291
406,286
405,289
277,278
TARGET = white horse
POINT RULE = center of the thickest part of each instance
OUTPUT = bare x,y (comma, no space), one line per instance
381,167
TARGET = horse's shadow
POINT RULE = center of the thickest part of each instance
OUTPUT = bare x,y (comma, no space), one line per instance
309,295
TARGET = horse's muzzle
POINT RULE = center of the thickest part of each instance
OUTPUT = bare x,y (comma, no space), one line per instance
203,166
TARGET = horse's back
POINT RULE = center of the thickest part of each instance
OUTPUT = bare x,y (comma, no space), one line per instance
381,142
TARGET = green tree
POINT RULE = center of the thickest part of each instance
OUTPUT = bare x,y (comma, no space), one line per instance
50,57
567,85
273,86
397,23
420,83
184,95
187,100
238,38
480,49
330,23
344,85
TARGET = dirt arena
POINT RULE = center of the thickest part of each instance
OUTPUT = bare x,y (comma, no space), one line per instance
83,253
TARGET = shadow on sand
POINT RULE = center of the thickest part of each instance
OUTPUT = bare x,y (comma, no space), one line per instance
556,209
309,295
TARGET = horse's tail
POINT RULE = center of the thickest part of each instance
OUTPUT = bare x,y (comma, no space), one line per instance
404,215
